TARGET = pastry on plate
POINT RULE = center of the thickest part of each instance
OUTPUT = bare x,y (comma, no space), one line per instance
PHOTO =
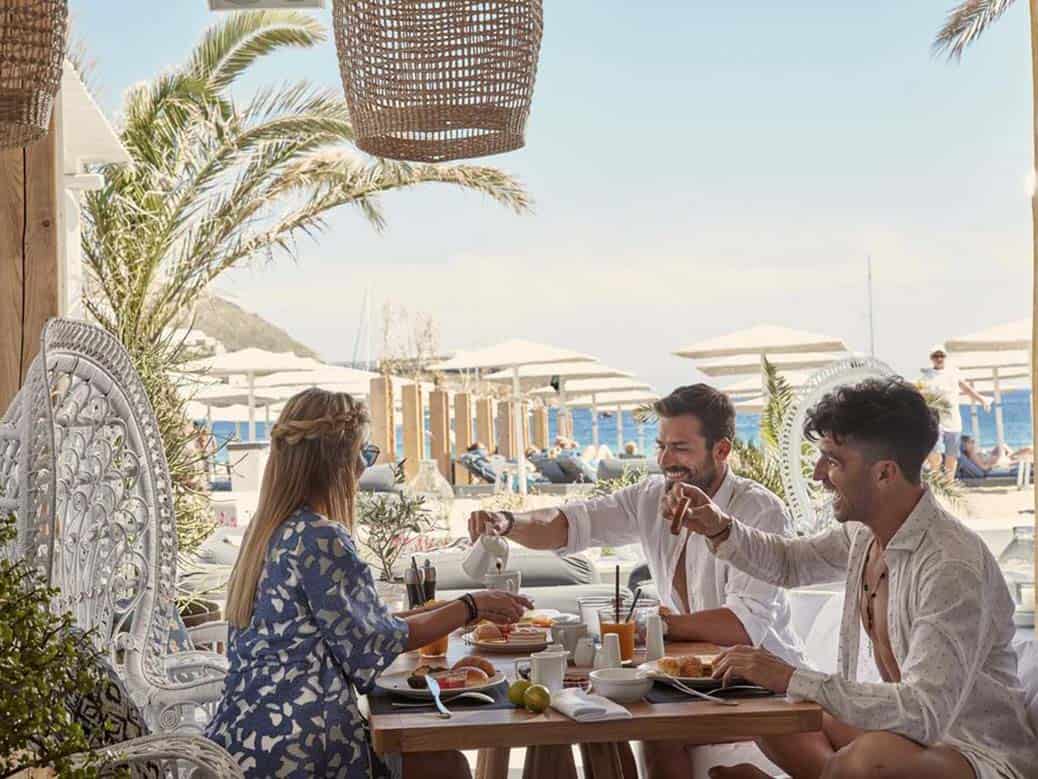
475,661
488,631
684,666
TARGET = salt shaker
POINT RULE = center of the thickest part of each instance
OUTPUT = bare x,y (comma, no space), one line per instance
653,637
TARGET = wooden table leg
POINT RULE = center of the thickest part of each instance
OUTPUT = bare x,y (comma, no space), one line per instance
602,761
627,760
492,763
549,762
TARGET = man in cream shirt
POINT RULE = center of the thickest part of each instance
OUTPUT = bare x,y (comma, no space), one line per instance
924,588
709,600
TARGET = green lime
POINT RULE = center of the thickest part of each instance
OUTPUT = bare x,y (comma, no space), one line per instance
537,698
516,691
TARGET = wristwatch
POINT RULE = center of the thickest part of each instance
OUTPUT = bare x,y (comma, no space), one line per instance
511,521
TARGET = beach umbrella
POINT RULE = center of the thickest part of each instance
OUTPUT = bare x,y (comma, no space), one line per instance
996,349
594,387
512,355
565,376
763,339
618,401
750,364
250,363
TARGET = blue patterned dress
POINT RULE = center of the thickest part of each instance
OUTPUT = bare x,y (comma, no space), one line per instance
318,632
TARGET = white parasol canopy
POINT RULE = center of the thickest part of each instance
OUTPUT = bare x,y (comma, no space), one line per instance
762,339
325,374
513,355
251,363
1000,338
750,364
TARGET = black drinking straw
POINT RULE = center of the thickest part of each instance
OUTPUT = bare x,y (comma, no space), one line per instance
616,603
637,594
418,580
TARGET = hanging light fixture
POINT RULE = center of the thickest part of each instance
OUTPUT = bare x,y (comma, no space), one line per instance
32,49
436,80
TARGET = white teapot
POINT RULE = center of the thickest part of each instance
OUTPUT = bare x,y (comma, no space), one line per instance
489,554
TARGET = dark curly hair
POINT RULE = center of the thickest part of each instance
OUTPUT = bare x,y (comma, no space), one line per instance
710,406
888,417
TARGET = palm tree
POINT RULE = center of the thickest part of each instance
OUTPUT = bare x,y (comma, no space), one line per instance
965,23
214,184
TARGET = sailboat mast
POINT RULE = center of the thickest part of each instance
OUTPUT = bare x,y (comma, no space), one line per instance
872,328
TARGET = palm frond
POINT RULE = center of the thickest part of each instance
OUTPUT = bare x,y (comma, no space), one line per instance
228,49
967,22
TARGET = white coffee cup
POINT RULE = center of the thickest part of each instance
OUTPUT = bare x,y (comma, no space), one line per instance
566,636
548,668
584,654
484,555
510,581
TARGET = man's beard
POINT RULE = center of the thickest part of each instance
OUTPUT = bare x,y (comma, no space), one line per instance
703,477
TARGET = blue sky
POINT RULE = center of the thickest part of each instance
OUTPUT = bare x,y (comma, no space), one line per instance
697,168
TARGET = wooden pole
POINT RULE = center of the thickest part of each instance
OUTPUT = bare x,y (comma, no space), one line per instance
462,433
540,427
414,429
505,427
526,422
30,252
383,429
1034,250
440,432
485,423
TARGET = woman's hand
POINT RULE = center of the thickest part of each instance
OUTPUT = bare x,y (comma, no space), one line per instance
500,606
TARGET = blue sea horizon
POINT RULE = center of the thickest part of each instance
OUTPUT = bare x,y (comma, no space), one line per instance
1016,409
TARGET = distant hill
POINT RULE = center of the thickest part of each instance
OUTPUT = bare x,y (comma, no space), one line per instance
237,328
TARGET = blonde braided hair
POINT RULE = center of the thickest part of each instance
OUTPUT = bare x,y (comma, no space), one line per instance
294,431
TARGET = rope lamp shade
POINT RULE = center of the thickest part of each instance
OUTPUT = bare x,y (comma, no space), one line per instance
32,49
435,80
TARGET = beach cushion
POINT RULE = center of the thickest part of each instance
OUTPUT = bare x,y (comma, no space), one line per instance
539,568
613,468
479,466
575,468
378,478
550,469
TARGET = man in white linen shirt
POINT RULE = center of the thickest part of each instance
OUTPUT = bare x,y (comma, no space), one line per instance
709,600
926,589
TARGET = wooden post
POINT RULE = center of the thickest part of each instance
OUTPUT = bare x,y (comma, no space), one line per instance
526,423
485,423
540,427
440,430
506,437
1033,18
462,433
30,252
383,429
414,429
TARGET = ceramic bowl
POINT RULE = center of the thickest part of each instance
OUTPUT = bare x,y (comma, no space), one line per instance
623,685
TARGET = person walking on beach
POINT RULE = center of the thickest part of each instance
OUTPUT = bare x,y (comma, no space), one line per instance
935,608
707,599
946,383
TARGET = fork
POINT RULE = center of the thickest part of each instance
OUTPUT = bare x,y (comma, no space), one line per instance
476,696
681,686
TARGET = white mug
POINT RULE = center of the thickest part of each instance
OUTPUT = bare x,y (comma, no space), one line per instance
484,555
547,668
584,654
567,636
510,581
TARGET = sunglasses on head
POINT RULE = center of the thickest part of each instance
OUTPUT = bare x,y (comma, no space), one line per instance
369,454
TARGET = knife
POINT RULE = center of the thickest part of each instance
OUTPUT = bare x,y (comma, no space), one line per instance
434,688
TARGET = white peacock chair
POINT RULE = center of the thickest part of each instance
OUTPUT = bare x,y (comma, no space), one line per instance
82,468
810,508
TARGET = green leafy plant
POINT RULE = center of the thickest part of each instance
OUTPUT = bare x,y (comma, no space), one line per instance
44,662
630,475
386,521
214,184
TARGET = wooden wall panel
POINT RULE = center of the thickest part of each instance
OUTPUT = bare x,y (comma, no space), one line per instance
440,432
462,433
12,236
414,429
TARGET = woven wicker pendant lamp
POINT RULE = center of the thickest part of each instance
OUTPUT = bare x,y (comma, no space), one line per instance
436,80
32,49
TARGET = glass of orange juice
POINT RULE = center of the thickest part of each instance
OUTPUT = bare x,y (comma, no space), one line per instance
625,630
437,648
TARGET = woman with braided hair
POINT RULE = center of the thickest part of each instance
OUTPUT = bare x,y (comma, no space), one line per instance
308,630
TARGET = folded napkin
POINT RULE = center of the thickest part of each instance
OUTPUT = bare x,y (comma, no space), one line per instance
587,707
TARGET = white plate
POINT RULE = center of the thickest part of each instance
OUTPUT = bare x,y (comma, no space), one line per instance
510,646
695,682
396,684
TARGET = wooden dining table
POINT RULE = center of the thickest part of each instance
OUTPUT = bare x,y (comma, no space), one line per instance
548,737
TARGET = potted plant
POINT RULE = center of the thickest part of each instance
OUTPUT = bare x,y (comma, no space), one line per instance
44,665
